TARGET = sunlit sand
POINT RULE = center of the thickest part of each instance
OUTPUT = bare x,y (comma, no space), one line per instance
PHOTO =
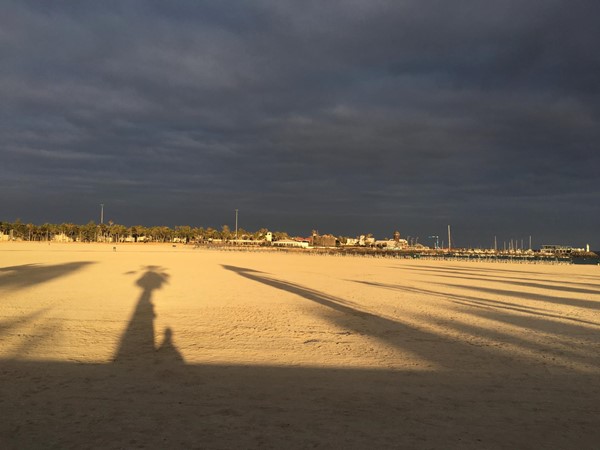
169,346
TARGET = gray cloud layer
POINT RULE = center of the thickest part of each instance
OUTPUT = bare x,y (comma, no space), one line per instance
345,116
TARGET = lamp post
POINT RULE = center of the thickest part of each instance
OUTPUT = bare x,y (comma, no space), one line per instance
236,224
101,213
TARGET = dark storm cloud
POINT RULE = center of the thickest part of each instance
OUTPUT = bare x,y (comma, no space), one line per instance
346,116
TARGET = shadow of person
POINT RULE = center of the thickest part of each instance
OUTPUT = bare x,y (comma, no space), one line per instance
167,352
137,342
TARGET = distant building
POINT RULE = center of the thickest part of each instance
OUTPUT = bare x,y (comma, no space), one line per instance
247,242
136,238
326,240
366,241
559,249
402,243
290,243
392,244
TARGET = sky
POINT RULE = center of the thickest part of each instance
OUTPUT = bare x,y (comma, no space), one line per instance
346,117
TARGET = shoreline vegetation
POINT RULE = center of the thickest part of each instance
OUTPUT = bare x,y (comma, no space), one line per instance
265,240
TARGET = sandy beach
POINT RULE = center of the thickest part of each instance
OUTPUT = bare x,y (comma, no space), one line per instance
162,346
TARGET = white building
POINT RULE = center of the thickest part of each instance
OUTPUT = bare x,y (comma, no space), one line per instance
290,243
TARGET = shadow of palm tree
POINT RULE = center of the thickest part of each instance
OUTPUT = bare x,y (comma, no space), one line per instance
402,335
477,302
542,298
485,275
26,275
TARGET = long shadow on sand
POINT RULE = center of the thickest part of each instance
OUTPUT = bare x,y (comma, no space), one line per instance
137,344
150,399
542,298
544,285
26,275
489,274
428,345
482,302
514,314
504,275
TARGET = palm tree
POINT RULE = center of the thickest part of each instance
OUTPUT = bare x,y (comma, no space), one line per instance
70,230
211,233
31,231
184,233
260,234
88,232
279,235
199,234
225,233
120,231
19,229
138,231
47,231
243,234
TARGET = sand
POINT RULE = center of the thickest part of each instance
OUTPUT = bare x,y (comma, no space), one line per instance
161,346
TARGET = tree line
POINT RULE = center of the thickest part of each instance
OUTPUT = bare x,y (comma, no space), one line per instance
113,232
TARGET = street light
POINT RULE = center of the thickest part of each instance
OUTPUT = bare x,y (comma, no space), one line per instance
101,213
236,224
